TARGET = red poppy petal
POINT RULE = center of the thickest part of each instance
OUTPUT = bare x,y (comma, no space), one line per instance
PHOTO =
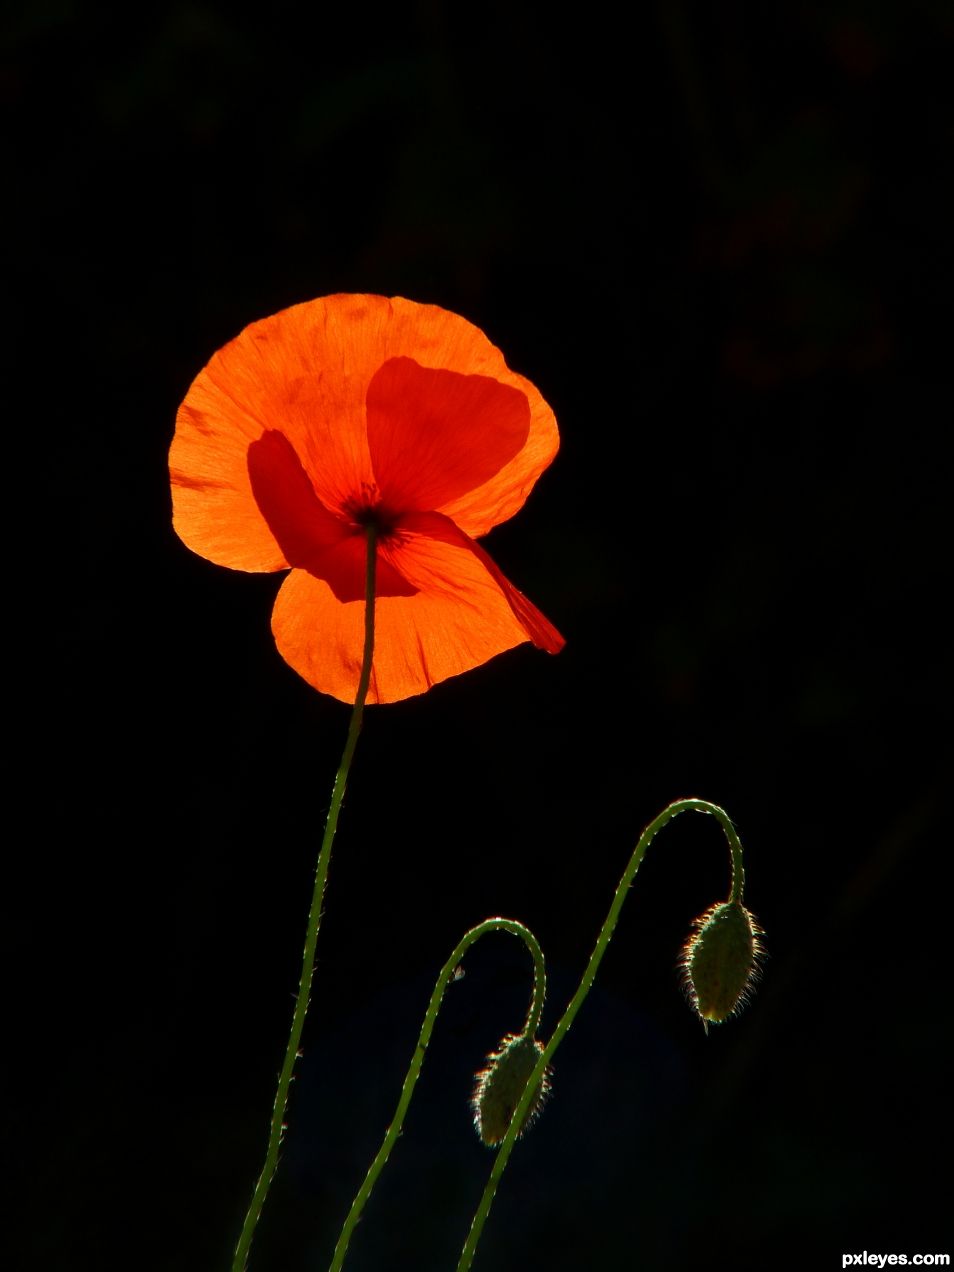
302,526
305,372
435,435
213,508
459,618
410,558
309,535
506,492
344,569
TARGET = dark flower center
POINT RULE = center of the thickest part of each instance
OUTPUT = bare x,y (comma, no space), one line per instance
367,509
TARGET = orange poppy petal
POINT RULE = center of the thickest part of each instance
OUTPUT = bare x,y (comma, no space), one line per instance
302,526
343,568
213,508
436,435
459,618
434,527
305,373
309,536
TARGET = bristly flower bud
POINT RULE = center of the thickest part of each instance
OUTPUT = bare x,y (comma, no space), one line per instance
720,961
500,1085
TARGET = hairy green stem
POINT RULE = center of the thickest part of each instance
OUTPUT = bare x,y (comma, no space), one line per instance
240,1258
589,975
417,1060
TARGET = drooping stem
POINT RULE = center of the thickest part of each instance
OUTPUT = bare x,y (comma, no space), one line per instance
417,1060
735,847
239,1260
589,975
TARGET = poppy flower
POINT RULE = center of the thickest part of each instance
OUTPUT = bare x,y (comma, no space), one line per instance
355,409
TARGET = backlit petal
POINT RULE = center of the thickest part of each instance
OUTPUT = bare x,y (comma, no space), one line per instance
436,435
309,536
463,614
302,526
305,373
418,556
213,508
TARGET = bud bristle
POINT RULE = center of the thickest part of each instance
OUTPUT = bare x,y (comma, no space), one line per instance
499,1086
720,961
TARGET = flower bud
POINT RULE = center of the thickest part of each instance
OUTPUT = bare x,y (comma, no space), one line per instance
719,961
500,1085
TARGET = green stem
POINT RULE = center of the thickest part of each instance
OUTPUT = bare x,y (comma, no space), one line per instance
417,1060
240,1258
589,975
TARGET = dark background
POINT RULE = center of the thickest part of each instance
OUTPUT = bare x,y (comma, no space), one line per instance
719,244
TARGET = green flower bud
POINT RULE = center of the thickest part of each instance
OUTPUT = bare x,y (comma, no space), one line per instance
719,961
500,1085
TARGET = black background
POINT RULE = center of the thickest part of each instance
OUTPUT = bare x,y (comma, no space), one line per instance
718,241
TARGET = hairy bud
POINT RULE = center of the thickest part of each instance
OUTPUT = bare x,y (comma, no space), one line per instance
500,1085
719,961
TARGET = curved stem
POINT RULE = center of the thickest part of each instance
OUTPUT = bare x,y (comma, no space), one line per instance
417,1060
239,1259
589,975
735,847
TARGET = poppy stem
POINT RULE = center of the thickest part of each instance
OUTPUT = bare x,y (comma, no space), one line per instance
417,1059
240,1258
589,975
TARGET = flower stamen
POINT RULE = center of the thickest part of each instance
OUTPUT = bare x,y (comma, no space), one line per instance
368,509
